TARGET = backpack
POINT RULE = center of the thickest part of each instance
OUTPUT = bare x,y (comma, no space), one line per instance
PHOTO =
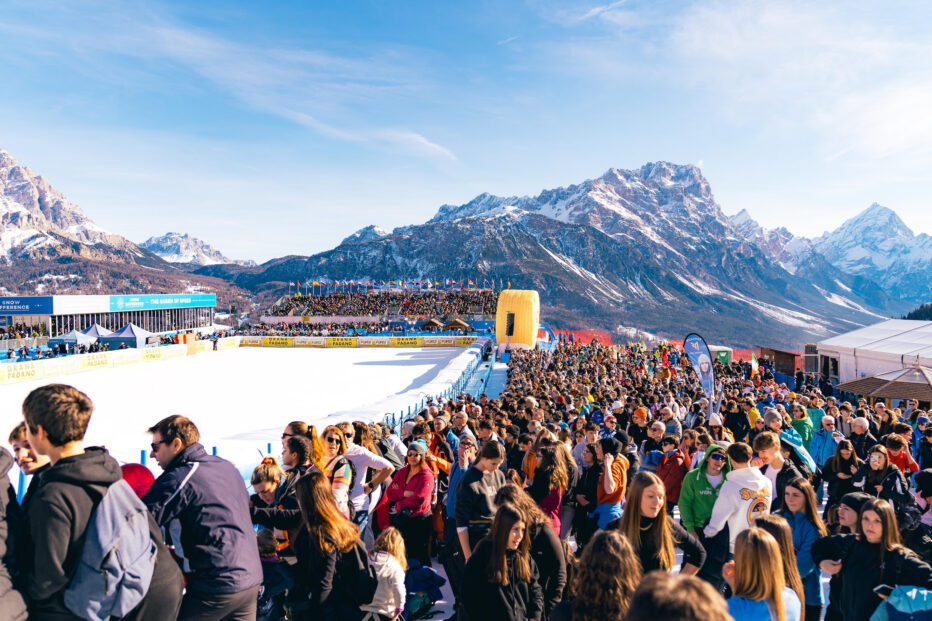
118,558
357,575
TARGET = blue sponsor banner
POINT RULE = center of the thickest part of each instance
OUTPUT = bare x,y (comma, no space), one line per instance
159,302
699,356
33,305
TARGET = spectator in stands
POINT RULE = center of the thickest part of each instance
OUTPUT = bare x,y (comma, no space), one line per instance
338,468
410,497
607,578
201,503
363,460
63,504
501,578
756,580
802,514
872,557
861,437
12,532
745,494
653,534
701,488
475,496
662,596
775,466
326,547
545,547
613,482
29,462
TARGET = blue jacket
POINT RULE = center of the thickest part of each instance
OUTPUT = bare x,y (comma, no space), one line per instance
201,504
804,536
456,473
742,609
822,447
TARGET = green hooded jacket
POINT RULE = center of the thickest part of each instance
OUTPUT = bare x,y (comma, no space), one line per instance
697,497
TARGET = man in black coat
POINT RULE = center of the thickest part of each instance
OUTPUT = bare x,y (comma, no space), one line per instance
201,501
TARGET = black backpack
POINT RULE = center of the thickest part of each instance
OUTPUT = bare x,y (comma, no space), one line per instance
358,576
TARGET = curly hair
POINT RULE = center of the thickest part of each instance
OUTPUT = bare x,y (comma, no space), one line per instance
609,573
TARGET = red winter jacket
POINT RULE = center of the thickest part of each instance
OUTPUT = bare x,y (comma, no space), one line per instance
421,485
671,470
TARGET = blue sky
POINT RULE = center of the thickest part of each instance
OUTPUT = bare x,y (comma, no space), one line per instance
281,127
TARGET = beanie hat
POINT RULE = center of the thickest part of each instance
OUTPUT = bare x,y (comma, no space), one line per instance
855,500
715,420
419,446
611,446
139,478
771,416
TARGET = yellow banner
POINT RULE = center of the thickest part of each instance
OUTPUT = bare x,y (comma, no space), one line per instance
277,341
406,341
99,360
152,353
465,341
3,372
438,341
341,341
126,356
373,341
22,371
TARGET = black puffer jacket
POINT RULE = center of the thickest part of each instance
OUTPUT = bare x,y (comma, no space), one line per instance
486,600
863,568
12,604
547,552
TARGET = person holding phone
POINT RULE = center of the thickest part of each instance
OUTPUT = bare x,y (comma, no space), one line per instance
871,558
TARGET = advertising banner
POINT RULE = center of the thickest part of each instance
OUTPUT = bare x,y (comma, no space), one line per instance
26,305
699,356
22,371
277,341
406,341
373,341
152,353
439,341
341,341
159,302
465,341
126,356
251,341
99,360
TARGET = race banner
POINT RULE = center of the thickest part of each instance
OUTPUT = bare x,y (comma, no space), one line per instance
341,341
372,341
406,341
699,356
277,341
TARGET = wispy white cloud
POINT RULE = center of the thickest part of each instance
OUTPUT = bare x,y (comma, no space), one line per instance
863,87
507,40
304,86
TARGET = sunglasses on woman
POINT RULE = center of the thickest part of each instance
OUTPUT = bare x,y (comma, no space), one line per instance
333,440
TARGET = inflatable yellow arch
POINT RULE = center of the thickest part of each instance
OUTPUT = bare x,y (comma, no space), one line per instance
517,318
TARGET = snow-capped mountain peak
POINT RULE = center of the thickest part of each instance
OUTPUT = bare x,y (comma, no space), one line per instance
367,233
182,248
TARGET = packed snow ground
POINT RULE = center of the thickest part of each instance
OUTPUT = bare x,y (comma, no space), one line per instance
241,399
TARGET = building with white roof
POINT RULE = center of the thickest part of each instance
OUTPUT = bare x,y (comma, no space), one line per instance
885,346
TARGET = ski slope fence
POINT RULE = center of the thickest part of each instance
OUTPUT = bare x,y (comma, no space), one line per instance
57,367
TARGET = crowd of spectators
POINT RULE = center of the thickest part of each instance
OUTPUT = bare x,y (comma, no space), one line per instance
566,497
414,303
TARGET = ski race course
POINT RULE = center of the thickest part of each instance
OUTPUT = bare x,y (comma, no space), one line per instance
242,398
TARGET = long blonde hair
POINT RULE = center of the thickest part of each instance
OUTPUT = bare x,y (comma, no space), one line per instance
777,526
391,541
759,569
659,531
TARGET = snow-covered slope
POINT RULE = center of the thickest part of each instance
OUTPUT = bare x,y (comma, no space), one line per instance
365,234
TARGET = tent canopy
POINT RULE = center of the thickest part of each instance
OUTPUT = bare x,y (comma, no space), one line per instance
72,338
97,331
908,383
130,334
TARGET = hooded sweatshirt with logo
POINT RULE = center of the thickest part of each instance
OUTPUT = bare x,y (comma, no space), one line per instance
697,496
745,495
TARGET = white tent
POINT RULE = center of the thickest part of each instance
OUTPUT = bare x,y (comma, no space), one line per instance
882,347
